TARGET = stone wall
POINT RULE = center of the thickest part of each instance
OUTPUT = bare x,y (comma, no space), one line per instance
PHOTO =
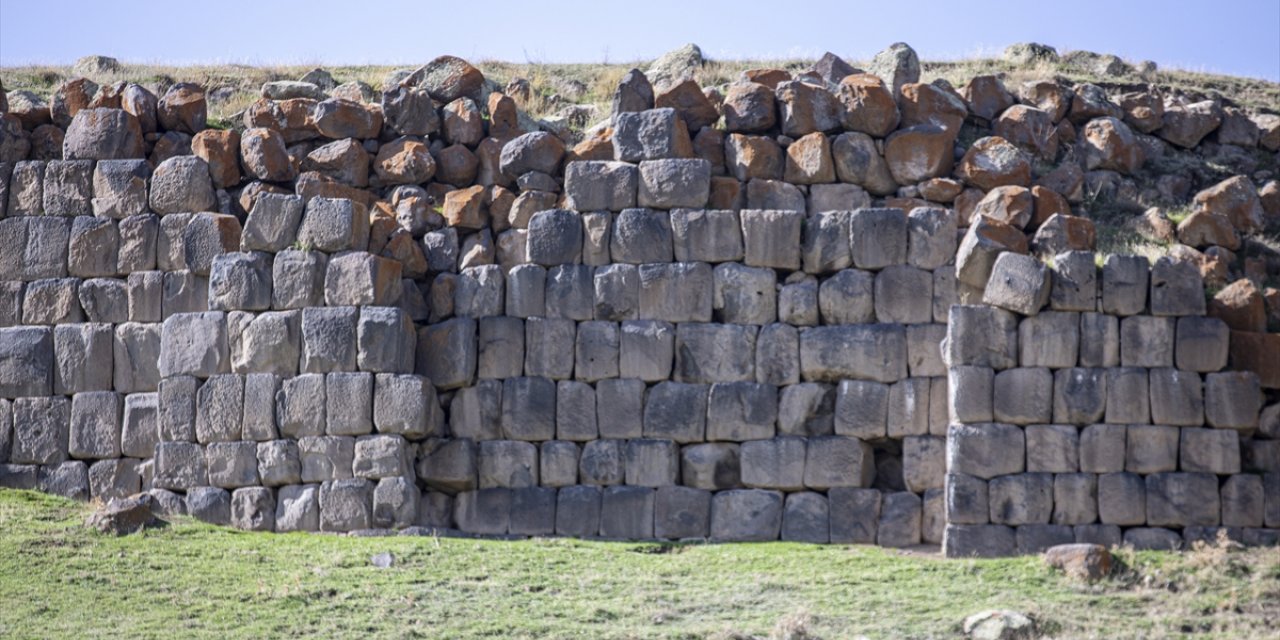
425,311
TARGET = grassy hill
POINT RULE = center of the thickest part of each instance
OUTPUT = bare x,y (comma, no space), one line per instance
61,579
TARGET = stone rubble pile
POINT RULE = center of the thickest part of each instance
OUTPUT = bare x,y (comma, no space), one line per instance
723,314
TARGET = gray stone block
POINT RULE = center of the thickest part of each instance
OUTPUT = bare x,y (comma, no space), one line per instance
1102,448
11,303
570,292
596,351
26,188
220,408
446,353
533,511
626,513
349,403
982,336
848,297
924,350
140,427
1176,288
900,520
854,515
1038,538
1202,344
298,279
575,411
617,292
825,248
595,238
326,458
646,350
139,237
332,225
600,185
558,463
113,479
145,293
676,292
1079,395
740,411
1023,396
1075,282
181,183
978,541
180,466
641,236
549,347
207,236
746,515
1146,341
1209,450
652,463
95,425
970,393
300,406
279,463
772,238
94,247
209,504
183,292
83,358
529,408
169,249
240,281
358,278
68,188
672,183
805,518
931,237
406,405
777,355
44,249
862,409
711,466
985,450
386,340
232,464
381,456
346,505
869,352
904,294
1243,501
1176,397
745,295
52,302
1127,396
40,430
908,408
706,235
676,411
1024,498
136,354
476,412
578,511
1124,285
1107,535
1151,449
681,513
194,344
67,479
526,291
485,512
329,339
707,353
272,224
19,476
479,291
104,300
1019,283
924,465
448,465
253,509
555,237
777,463
620,407
120,188
807,409
966,498
835,461
878,237
1075,498
1182,499
602,462
647,135
1050,339
1232,400
265,343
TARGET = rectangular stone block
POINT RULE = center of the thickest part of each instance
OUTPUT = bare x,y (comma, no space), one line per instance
1127,396
825,247
982,336
446,353
745,295
558,463
706,235
1075,282
52,301
346,505
526,291
578,511
95,425
617,292
1177,397
533,511
139,237
332,224
529,408
620,407
806,518
104,300
140,427
1182,499
602,462
1019,499
746,515
1232,400
94,247
297,279
232,464
868,352
136,354
1050,339
68,188
985,450
272,223
194,344
279,463
476,412
1209,450
600,185
83,358
1202,344
900,520
596,351
707,353
406,405
970,393
626,513
778,463
854,515
1124,285
219,409
349,403
646,350
500,347
676,411
681,513
1023,396
326,458
676,292
640,236
1079,396
180,466
183,292
300,406
772,238
120,188
575,411
878,237
652,463
1151,449
40,430
1102,448
1099,340
486,512
1146,341
978,541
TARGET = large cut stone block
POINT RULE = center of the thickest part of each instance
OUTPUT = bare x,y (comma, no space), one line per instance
868,352
194,344
676,292
446,353
746,515
985,450
707,353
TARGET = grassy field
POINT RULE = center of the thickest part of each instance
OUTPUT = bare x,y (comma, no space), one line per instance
60,579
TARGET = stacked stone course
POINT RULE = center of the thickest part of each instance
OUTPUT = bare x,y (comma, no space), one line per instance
424,311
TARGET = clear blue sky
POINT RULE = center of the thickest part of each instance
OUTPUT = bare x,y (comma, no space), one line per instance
1240,37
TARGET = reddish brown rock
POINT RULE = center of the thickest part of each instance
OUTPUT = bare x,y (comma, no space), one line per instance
1048,203
993,162
1155,226
906,204
1259,353
1065,233
1268,131
1089,101
1030,129
103,134
1205,228
752,157
1236,199
402,248
46,143
1237,129
858,161
928,104
264,156
312,184
248,195
1086,562
504,117
448,78
404,161
1012,205
804,108
1110,144
749,107
1213,268
767,77
1143,111
343,160
1066,179
920,152
943,190
336,118
595,147
462,122
690,104
183,108
986,97
221,150
109,96
966,203
465,208
69,98
456,165
985,240
292,118
709,145
1269,196
1241,306
809,161
1187,125
168,145
726,193
1047,96
142,104
489,161
869,106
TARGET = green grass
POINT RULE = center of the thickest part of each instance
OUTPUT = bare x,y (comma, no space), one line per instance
60,579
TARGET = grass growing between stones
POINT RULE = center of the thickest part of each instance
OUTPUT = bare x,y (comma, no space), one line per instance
60,579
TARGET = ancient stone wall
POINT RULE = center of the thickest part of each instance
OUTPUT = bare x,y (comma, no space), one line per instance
419,313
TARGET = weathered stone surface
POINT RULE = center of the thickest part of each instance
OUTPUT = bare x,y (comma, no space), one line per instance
919,152
746,515
1185,125
985,450
103,134
600,185
332,224
874,352
182,184
626,513
555,237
